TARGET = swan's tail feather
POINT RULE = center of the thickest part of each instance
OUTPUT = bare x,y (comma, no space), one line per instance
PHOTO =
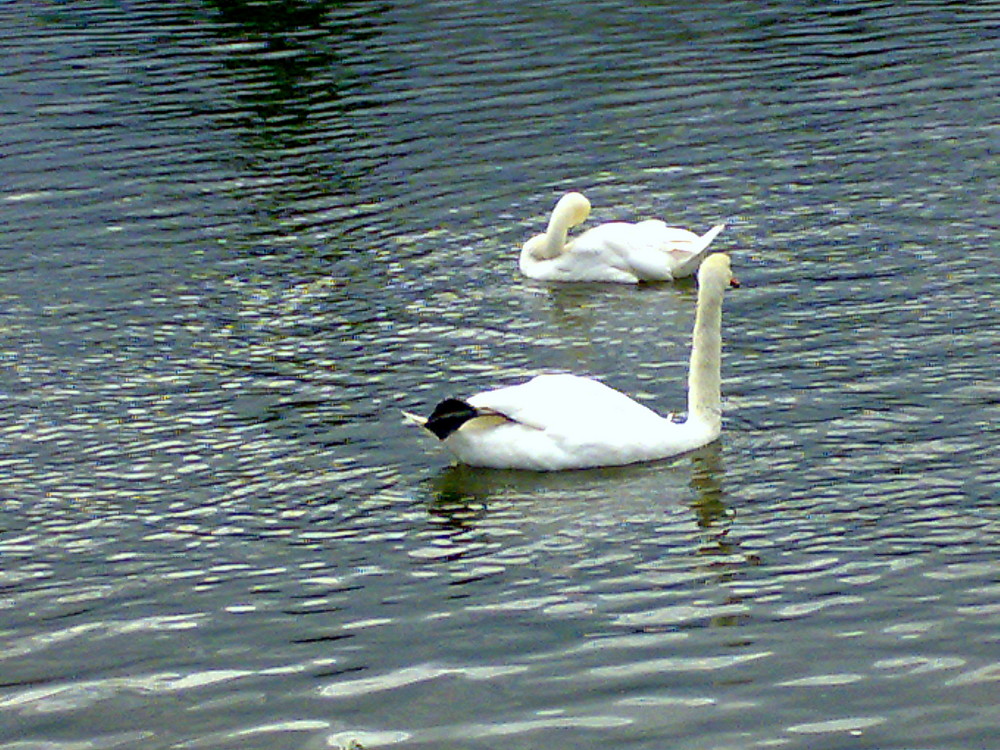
416,419
711,234
698,250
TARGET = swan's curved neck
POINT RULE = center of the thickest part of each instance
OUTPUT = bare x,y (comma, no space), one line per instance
553,242
704,374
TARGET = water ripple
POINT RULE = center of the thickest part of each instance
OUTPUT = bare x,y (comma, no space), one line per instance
238,241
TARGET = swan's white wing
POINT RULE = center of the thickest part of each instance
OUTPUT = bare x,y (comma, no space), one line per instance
566,403
650,250
566,422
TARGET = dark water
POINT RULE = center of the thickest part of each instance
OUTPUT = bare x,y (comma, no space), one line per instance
239,237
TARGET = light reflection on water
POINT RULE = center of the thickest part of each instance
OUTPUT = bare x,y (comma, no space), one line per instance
239,242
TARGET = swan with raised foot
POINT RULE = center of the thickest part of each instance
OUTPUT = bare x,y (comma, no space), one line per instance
555,422
617,251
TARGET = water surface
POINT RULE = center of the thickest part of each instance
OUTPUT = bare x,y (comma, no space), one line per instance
239,238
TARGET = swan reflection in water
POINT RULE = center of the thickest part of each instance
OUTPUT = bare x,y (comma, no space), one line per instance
463,498
645,526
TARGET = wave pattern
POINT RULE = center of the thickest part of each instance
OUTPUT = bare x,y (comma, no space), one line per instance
240,237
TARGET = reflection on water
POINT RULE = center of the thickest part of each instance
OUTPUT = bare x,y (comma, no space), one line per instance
473,506
458,484
241,236
710,506
289,75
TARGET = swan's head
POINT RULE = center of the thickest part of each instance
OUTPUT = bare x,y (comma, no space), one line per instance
716,271
572,209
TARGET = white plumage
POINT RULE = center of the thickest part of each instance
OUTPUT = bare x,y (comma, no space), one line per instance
618,251
555,422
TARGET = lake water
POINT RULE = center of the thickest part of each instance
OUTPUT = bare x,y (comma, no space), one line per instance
239,238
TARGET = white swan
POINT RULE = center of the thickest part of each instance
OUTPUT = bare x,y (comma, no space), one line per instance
618,251
555,422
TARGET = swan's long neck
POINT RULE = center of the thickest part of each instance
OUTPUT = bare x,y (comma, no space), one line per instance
551,244
572,209
704,374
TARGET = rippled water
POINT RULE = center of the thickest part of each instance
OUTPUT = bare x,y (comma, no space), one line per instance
240,237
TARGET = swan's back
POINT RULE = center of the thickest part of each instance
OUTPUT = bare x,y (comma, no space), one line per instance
649,250
562,400
556,422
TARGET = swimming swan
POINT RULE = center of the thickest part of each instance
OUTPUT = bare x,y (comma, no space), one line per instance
618,251
556,422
